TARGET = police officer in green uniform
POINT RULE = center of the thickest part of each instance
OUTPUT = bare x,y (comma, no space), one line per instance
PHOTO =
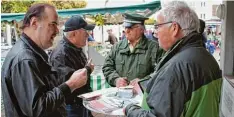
133,58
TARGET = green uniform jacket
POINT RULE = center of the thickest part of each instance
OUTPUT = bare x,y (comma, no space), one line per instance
139,64
187,83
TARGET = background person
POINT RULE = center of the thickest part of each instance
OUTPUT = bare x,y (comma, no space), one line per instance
111,37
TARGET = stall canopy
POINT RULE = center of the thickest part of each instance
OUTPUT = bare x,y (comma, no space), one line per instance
146,8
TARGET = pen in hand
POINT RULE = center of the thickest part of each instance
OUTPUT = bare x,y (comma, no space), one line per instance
90,64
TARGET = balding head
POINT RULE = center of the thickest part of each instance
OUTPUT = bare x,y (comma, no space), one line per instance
36,10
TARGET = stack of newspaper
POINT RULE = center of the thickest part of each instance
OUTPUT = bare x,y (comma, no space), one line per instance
109,104
107,100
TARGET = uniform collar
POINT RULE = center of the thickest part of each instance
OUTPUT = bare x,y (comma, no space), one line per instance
141,47
136,42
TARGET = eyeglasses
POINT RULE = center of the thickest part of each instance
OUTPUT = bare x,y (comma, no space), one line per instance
156,26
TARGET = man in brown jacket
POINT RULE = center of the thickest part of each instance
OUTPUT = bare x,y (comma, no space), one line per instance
111,37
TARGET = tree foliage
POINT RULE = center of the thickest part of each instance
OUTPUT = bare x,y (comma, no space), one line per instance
150,22
15,6
22,6
99,19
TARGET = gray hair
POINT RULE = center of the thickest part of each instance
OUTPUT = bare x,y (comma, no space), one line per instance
65,34
68,34
181,13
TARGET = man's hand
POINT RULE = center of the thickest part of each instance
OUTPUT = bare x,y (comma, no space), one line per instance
124,111
78,79
121,82
91,65
136,87
134,82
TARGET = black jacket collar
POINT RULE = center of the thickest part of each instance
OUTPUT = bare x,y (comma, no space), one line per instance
32,45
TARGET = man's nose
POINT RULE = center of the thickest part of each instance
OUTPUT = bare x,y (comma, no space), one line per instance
156,33
57,29
87,35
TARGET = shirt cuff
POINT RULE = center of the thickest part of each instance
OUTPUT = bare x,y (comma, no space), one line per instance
127,108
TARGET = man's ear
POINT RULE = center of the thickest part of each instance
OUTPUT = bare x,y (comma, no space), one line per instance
34,22
73,33
142,30
176,29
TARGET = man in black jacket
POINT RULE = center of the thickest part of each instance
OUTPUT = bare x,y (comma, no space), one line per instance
68,57
27,86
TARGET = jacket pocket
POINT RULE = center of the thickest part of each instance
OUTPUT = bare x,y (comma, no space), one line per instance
142,69
119,66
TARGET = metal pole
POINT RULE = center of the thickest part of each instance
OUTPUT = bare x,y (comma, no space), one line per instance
102,34
8,34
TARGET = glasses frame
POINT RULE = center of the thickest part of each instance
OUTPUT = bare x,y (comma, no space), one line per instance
156,26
